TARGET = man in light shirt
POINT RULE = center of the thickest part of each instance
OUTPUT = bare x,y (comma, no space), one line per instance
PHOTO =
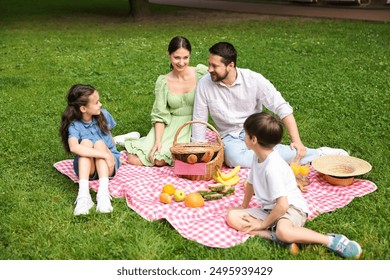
230,95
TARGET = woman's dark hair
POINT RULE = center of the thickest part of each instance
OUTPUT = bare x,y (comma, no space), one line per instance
226,51
177,43
78,95
267,129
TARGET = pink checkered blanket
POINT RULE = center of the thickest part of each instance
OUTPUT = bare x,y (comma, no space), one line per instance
141,186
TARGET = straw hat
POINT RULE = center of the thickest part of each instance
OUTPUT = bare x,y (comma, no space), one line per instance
341,166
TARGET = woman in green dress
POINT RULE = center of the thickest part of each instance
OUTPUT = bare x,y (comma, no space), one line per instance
172,107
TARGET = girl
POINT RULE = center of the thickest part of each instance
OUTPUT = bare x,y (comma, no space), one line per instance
86,132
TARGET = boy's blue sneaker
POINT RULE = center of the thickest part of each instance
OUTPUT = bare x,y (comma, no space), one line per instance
292,247
345,247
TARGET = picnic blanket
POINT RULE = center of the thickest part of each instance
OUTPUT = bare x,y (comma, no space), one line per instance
141,187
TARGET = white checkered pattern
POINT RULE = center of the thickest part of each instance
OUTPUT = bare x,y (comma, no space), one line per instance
141,186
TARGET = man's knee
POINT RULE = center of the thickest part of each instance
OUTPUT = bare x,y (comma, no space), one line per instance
243,159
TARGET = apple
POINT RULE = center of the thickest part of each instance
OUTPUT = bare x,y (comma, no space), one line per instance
179,195
165,198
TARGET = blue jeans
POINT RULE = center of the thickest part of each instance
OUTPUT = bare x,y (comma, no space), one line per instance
236,152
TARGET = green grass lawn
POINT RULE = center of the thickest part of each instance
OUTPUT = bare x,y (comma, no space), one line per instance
334,73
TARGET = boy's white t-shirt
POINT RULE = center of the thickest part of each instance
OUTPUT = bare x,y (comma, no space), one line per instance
272,179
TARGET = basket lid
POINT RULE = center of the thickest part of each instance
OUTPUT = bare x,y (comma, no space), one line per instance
195,147
341,166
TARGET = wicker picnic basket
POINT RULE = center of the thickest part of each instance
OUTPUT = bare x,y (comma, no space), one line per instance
182,152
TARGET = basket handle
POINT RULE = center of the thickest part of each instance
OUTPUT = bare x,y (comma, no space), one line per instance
191,122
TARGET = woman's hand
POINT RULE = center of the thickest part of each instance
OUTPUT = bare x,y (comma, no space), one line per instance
156,148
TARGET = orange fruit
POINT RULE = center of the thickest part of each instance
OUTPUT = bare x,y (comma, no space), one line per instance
304,170
194,200
169,189
165,198
295,167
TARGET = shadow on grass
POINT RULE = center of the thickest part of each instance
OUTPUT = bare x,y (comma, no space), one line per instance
13,10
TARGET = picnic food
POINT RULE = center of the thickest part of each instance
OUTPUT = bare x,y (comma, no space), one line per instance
204,192
169,189
192,158
304,170
228,190
231,182
229,179
165,198
230,174
301,172
208,155
179,195
216,191
216,187
213,196
302,182
194,200
295,167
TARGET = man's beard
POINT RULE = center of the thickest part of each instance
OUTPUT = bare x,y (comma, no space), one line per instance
218,78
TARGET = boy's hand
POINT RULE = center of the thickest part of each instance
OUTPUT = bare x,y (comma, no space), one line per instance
251,224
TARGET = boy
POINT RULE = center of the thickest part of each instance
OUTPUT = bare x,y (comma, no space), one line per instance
272,181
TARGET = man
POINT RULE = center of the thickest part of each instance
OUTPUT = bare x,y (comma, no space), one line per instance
230,95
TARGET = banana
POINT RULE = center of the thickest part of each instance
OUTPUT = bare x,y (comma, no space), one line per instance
231,182
229,175
216,177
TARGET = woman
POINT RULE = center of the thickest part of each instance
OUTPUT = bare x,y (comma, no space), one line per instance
172,107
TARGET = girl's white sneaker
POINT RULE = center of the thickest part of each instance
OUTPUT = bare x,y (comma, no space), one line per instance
103,203
120,139
83,204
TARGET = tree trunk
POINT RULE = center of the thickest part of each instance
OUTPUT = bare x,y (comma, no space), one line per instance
139,8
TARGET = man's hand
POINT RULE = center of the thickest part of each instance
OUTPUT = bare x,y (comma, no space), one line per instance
300,148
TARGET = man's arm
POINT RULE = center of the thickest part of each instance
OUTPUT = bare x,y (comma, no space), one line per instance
200,113
296,143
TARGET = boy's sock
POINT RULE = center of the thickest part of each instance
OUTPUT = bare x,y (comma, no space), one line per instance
103,197
83,201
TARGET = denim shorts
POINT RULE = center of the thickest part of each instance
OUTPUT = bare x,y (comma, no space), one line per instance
95,176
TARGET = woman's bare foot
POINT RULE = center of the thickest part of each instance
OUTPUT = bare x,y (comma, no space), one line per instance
134,160
159,162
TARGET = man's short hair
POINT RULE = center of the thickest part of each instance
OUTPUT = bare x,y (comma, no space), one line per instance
226,51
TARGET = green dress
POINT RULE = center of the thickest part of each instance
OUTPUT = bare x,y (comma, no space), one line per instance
174,111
